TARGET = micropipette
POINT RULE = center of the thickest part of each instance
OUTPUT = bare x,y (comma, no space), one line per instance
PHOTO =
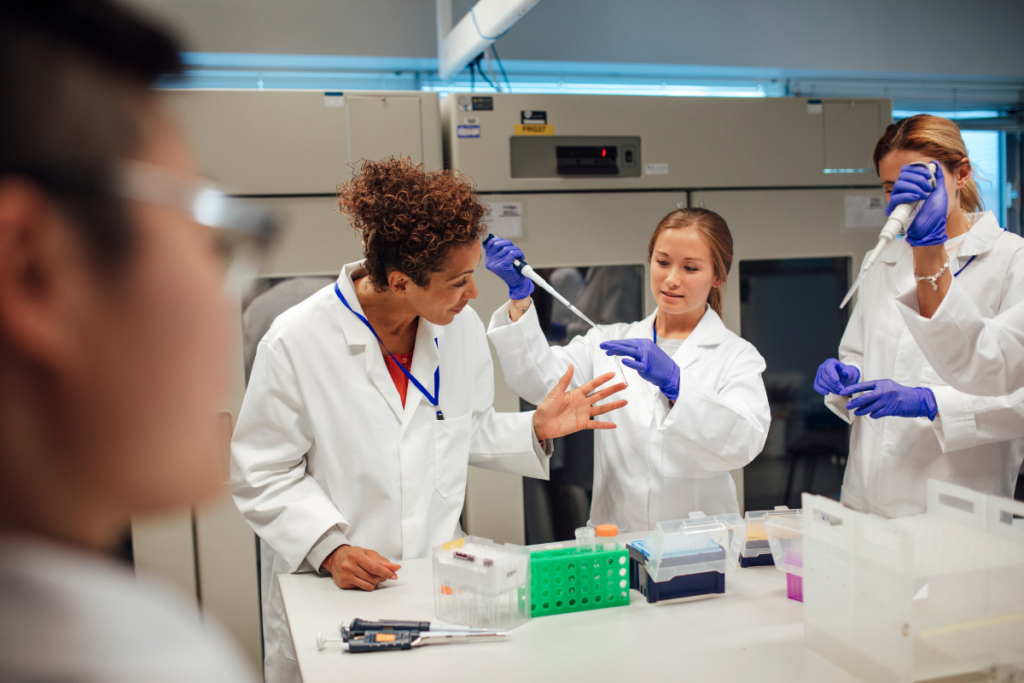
524,268
376,641
898,222
362,626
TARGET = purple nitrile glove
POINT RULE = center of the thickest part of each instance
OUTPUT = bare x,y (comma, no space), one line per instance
653,364
929,226
834,376
883,398
500,255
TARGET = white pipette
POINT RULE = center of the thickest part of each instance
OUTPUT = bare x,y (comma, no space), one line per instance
899,220
527,270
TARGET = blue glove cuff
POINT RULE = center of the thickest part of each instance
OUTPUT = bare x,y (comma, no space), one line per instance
928,406
671,388
521,290
929,240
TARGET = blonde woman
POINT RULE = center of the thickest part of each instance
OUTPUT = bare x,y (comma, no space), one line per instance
696,408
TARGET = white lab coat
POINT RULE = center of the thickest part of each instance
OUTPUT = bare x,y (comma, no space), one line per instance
67,614
974,441
661,462
324,446
977,345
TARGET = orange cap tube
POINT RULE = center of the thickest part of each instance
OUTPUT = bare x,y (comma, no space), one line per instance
607,530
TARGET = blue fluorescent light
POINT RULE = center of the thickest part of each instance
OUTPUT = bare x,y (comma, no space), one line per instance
561,87
849,170
966,114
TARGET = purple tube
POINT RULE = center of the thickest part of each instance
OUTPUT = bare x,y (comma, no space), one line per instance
794,583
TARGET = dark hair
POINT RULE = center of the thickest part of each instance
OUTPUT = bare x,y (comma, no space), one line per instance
938,138
409,218
75,74
715,232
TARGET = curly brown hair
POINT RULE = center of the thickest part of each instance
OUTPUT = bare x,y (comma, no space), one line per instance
409,218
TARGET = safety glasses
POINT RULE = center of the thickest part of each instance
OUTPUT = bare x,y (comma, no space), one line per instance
243,232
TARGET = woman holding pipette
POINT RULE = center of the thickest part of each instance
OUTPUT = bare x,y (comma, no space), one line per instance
908,424
369,400
697,406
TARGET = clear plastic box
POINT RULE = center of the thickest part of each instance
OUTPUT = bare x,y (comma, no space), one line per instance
786,539
925,597
696,545
482,584
757,551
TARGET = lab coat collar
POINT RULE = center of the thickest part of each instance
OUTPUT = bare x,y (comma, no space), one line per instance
981,237
425,359
710,332
358,334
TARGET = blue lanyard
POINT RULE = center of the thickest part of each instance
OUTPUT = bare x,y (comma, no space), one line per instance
435,399
967,264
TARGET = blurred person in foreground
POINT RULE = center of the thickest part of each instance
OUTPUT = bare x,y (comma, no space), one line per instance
113,348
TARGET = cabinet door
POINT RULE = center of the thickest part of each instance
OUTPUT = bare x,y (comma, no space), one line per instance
381,126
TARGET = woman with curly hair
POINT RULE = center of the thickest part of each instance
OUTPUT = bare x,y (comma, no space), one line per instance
369,400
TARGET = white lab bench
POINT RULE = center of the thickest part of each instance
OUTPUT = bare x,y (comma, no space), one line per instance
751,633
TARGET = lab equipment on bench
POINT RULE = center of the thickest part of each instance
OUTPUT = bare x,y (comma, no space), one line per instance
785,535
687,557
586,538
363,626
757,551
379,641
928,597
899,220
574,578
482,584
683,586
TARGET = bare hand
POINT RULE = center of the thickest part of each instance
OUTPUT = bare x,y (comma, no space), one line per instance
355,567
564,412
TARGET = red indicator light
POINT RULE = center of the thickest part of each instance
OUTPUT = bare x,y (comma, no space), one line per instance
604,152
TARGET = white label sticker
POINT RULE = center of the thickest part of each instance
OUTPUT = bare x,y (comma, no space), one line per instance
334,100
815,107
863,211
471,121
504,219
656,169
468,131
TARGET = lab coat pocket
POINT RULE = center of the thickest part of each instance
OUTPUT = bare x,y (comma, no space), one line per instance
451,453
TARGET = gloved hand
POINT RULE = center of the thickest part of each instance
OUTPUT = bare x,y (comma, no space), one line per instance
653,364
884,397
834,376
929,226
500,255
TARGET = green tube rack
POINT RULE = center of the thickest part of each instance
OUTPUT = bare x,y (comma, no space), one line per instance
577,580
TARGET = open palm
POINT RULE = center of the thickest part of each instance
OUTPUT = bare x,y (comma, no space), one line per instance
565,412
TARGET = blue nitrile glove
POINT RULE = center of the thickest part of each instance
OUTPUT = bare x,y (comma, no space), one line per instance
500,255
884,397
653,364
929,226
834,376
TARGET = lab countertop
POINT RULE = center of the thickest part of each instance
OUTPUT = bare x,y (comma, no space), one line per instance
750,633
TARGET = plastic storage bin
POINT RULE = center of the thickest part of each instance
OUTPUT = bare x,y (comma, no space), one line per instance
481,584
925,597
577,579
785,535
756,551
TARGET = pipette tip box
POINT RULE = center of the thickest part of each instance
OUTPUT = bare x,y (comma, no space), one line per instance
576,579
482,584
756,551
682,586
687,557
